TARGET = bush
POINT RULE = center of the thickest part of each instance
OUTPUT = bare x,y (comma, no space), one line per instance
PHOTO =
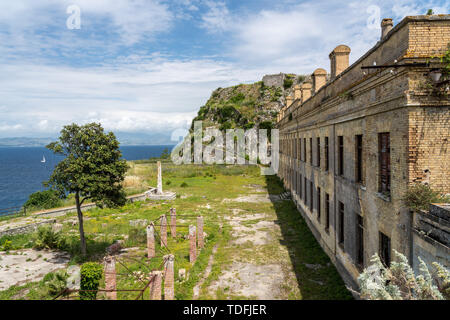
419,196
47,199
398,282
184,185
46,238
55,282
91,273
7,245
288,83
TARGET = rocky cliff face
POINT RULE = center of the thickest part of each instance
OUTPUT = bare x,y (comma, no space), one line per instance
248,105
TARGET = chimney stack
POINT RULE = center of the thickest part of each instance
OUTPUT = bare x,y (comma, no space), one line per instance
289,101
297,92
386,26
306,91
319,79
339,59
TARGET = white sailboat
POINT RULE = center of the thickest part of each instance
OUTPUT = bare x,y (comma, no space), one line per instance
43,159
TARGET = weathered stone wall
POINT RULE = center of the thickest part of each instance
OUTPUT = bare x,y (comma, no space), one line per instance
431,236
273,80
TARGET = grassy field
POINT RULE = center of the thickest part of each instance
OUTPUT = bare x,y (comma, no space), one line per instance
279,249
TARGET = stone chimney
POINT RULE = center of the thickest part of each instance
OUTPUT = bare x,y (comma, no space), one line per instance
386,26
319,79
339,59
306,91
297,92
289,101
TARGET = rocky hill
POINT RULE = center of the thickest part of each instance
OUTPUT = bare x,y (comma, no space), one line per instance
248,105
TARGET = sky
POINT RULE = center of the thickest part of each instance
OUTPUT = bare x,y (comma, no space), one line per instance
146,66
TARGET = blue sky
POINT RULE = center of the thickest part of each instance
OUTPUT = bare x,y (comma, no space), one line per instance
146,66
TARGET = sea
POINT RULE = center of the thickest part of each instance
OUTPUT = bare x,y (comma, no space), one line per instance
22,171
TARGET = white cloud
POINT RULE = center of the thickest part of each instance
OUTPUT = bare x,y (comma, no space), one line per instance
217,18
153,93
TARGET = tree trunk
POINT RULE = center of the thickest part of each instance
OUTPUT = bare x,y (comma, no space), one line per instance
80,224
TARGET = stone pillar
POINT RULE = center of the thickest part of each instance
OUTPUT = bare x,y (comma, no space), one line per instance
159,186
289,100
163,231
173,222
297,92
306,91
339,59
110,277
193,244
319,79
155,286
169,292
386,26
151,241
200,232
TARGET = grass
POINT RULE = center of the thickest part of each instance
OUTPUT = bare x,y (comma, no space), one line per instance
205,188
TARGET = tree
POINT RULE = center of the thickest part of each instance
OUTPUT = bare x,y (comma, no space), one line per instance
92,168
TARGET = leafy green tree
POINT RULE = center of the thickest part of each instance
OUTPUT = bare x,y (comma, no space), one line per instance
165,154
92,168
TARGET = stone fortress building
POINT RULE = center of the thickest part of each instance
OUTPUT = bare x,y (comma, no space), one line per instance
351,145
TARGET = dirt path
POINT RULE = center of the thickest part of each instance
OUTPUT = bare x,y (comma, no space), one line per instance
259,265
19,267
205,275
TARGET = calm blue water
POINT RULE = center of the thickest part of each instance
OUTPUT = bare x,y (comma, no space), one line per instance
22,173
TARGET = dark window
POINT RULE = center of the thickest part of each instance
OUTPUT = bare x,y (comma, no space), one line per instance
327,160
359,166
341,155
341,223
318,152
318,204
359,241
304,149
327,212
384,152
385,249
306,191
310,151
300,186
294,177
298,148
311,195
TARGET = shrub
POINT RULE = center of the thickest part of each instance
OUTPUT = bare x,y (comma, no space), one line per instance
237,98
225,126
91,273
419,196
398,282
47,199
46,238
183,185
288,82
7,245
55,282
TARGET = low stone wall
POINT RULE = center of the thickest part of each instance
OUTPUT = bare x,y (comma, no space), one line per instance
87,206
25,229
